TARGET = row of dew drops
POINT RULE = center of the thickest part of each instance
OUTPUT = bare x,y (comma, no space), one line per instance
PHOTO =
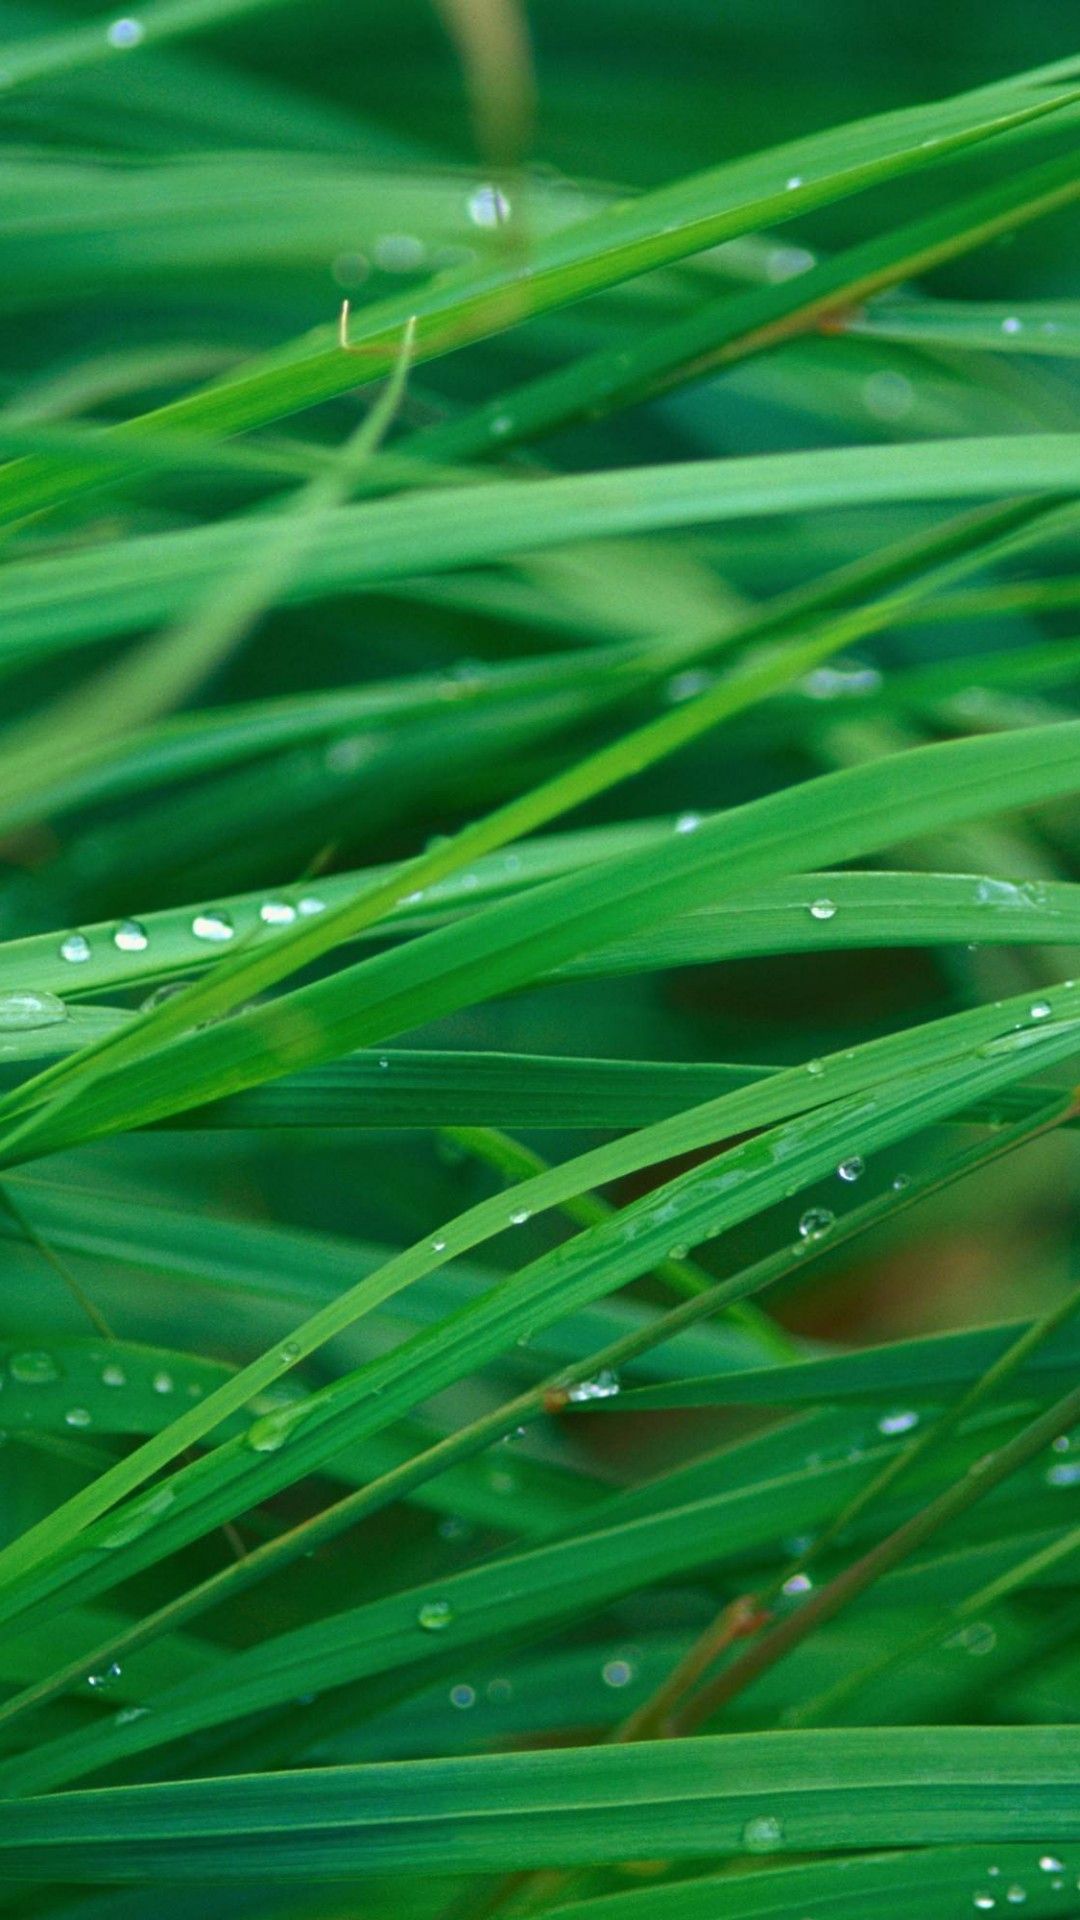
25,1009
36,1367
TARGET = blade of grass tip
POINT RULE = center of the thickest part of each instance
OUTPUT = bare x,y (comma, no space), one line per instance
517,1162
78,730
550,1396
942,556
981,1478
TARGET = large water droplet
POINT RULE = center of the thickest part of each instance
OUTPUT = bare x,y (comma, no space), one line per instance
1016,1894
891,1423
163,1383
1012,324
277,913
75,948
1049,1863
1066,1473
125,33
688,823
816,1223
488,206
604,1387
212,925
33,1368
984,1901
519,1216
131,937
822,909
435,1615
310,904
463,1696
77,1417
25,1009
1040,1010
799,1583
763,1834
852,1168
617,1673
113,1376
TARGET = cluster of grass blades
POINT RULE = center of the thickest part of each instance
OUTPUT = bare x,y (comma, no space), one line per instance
539,892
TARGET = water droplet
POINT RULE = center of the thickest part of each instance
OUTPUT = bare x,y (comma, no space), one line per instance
77,1417
604,1387
463,1697
815,1067
435,1615
686,686
1012,324
793,180
162,1383
983,1900
438,1246
688,823
901,1182
487,206
22,1011
268,1435
519,1217
113,1376
310,904
502,424
1040,1010
1049,1863
888,395
125,33
75,948
34,1368
617,1673
783,263
112,1672
891,1423
399,252
212,925
277,913
846,679
499,1689
383,1063
1061,1444
131,937
763,1834
160,994
1016,1894
815,1223
127,1714
852,1168
1065,1474
822,909
799,1583
978,1639
289,1352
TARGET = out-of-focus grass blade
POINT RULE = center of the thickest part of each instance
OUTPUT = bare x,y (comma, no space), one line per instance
69,599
